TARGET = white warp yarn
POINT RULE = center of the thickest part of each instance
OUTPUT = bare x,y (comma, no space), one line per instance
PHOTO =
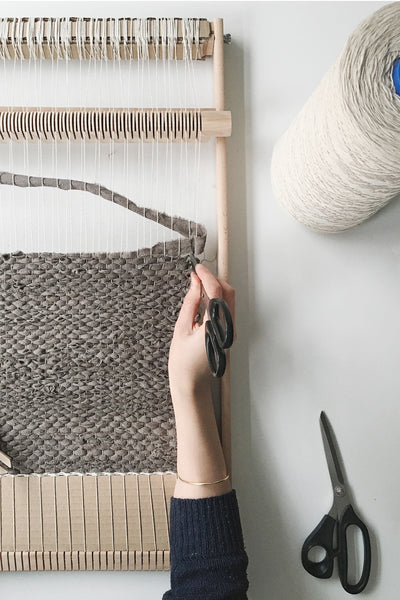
339,161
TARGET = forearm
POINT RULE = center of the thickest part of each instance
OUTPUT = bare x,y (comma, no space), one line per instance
199,453
208,559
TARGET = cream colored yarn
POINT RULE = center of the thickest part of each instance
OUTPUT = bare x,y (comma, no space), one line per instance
339,161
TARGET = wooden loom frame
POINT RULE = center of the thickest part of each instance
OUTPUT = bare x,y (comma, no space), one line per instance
88,521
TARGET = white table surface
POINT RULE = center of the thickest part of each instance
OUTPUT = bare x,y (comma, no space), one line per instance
318,322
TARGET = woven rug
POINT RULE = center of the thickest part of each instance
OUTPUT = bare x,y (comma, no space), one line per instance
84,342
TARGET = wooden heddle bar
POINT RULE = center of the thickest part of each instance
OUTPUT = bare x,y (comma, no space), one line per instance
92,522
105,38
119,124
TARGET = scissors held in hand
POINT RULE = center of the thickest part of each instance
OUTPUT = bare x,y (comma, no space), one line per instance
331,533
219,329
219,334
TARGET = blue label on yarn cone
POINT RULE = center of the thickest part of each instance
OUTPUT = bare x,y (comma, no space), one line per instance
396,76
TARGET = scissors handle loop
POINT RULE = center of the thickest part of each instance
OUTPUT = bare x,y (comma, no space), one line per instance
215,354
324,536
348,519
219,335
221,319
219,329
321,537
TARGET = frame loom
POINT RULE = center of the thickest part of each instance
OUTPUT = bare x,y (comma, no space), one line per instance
105,521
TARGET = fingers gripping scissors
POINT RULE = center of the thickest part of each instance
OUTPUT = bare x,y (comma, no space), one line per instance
219,329
331,533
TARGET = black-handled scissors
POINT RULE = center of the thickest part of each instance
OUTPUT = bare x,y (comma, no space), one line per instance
331,533
219,329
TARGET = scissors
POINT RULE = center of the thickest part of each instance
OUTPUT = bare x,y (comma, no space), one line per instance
330,533
219,329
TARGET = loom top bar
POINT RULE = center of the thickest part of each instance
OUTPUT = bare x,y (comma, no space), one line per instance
103,38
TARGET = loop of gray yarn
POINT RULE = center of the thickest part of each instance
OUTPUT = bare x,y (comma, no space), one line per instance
194,232
338,163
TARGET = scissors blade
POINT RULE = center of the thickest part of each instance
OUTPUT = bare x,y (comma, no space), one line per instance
194,261
331,453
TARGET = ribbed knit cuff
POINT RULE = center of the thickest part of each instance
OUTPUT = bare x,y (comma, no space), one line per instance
205,527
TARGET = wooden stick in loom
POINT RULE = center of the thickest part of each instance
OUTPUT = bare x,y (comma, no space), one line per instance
120,124
24,38
222,226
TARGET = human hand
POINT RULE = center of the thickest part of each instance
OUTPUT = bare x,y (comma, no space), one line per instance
189,371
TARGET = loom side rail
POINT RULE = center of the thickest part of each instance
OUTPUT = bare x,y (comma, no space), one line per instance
222,225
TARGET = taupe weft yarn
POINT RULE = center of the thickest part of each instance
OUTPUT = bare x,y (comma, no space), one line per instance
84,344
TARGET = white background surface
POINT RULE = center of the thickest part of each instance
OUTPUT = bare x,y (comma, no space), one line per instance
318,324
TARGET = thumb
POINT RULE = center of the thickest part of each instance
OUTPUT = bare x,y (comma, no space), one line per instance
190,305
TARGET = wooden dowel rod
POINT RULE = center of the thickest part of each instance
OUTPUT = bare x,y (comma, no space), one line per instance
222,208
222,224
221,165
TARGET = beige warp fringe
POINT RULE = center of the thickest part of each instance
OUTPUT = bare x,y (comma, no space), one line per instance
85,522
338,163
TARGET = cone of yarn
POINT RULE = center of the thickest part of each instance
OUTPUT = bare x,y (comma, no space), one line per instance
338,163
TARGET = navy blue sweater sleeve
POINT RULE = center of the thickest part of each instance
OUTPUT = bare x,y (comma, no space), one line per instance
208,559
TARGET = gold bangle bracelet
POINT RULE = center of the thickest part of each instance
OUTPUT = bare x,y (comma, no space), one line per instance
203,483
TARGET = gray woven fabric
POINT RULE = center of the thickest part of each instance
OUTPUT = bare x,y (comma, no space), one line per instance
84,344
